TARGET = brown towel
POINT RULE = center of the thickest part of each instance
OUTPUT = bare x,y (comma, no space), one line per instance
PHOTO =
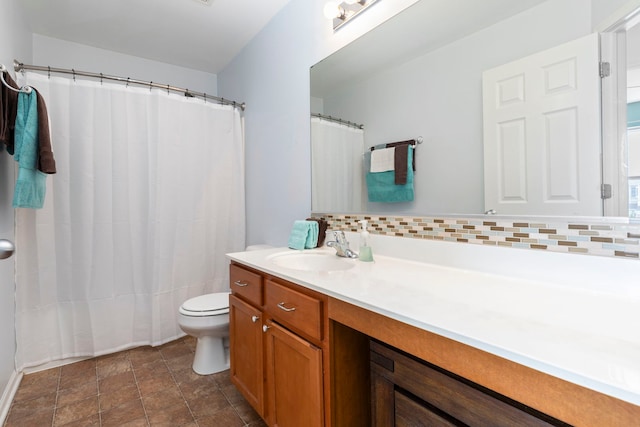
400,157
8,110
46,162
322,229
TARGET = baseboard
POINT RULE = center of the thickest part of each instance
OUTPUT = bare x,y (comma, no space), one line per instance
8,395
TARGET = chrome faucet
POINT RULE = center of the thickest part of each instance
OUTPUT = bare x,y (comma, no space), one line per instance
341,245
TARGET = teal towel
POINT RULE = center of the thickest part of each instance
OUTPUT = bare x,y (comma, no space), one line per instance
31,184
381,186
304,235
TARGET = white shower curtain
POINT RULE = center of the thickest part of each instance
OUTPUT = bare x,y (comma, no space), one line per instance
148,198
336,167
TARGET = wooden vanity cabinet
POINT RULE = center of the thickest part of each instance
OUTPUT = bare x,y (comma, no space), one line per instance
277,343
409,392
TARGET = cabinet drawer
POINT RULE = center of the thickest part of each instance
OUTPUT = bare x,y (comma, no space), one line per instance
294,309
246,284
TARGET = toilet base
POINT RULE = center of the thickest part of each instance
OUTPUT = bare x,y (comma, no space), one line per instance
211,355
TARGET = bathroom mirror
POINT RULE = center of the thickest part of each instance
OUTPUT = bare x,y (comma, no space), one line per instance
420,74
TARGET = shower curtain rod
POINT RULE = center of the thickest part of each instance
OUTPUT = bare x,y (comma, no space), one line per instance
19,66
337,120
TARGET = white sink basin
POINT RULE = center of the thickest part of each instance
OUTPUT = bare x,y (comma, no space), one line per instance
311,261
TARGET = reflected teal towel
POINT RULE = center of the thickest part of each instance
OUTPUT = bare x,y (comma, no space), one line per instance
31,184
381,186
304,235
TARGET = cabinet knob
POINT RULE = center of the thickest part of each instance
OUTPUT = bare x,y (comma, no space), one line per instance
254,319
240,283
265,328
282,306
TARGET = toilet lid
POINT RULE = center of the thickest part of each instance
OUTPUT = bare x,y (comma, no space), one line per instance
209,304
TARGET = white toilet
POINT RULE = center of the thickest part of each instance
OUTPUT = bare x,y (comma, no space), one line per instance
207,318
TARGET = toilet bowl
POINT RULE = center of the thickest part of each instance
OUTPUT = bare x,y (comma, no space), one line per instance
206,318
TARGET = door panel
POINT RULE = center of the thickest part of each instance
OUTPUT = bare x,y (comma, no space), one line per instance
542,132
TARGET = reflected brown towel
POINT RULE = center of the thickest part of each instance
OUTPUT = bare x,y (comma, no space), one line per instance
8,110
400,160
46,162
322,229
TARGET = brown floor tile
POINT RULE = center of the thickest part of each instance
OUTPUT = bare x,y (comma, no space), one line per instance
80,392
208,405
142,355
151,370
155,384
176,415
40,418
116,382
38,384
91,421
78,381
76,411
246,412
118,397
107,368
131,411
134,388
176,349
180,363
226,417
162,399
84,367
25,408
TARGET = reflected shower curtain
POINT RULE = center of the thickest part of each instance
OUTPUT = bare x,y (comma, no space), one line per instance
337,183
148,198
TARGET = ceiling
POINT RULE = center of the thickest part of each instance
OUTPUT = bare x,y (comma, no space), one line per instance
188,33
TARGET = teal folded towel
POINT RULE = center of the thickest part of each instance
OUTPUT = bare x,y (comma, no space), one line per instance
304,235
381,186
31,183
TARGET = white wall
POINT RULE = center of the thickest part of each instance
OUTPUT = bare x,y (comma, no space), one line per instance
52,52
15,41
439,96
272,76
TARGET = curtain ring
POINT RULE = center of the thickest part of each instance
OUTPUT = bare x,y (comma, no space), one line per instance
150,86
205,97
49,71
221,101
101,78
127,85
167,89
74,74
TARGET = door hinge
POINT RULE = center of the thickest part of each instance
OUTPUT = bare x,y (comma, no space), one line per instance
605,69
605,191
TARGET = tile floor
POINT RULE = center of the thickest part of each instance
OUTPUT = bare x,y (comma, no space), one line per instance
145,386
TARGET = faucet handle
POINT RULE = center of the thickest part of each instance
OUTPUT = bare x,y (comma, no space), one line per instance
340,237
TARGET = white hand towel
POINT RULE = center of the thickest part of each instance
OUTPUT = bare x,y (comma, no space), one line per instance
382,160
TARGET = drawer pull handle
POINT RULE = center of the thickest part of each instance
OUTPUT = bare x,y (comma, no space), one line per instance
239,283
281,306
254,319
265,328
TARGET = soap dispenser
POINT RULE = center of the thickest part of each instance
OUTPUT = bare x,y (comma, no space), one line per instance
365,253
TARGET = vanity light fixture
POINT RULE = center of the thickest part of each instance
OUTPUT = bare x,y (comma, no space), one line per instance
342,12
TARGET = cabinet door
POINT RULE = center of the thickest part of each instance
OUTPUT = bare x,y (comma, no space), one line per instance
294,380
246,348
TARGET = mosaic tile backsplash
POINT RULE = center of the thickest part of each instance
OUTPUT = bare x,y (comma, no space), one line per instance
581,237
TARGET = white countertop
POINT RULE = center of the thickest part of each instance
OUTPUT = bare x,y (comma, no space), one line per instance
588,335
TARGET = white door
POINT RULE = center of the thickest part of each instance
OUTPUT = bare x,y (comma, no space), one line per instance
542,132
